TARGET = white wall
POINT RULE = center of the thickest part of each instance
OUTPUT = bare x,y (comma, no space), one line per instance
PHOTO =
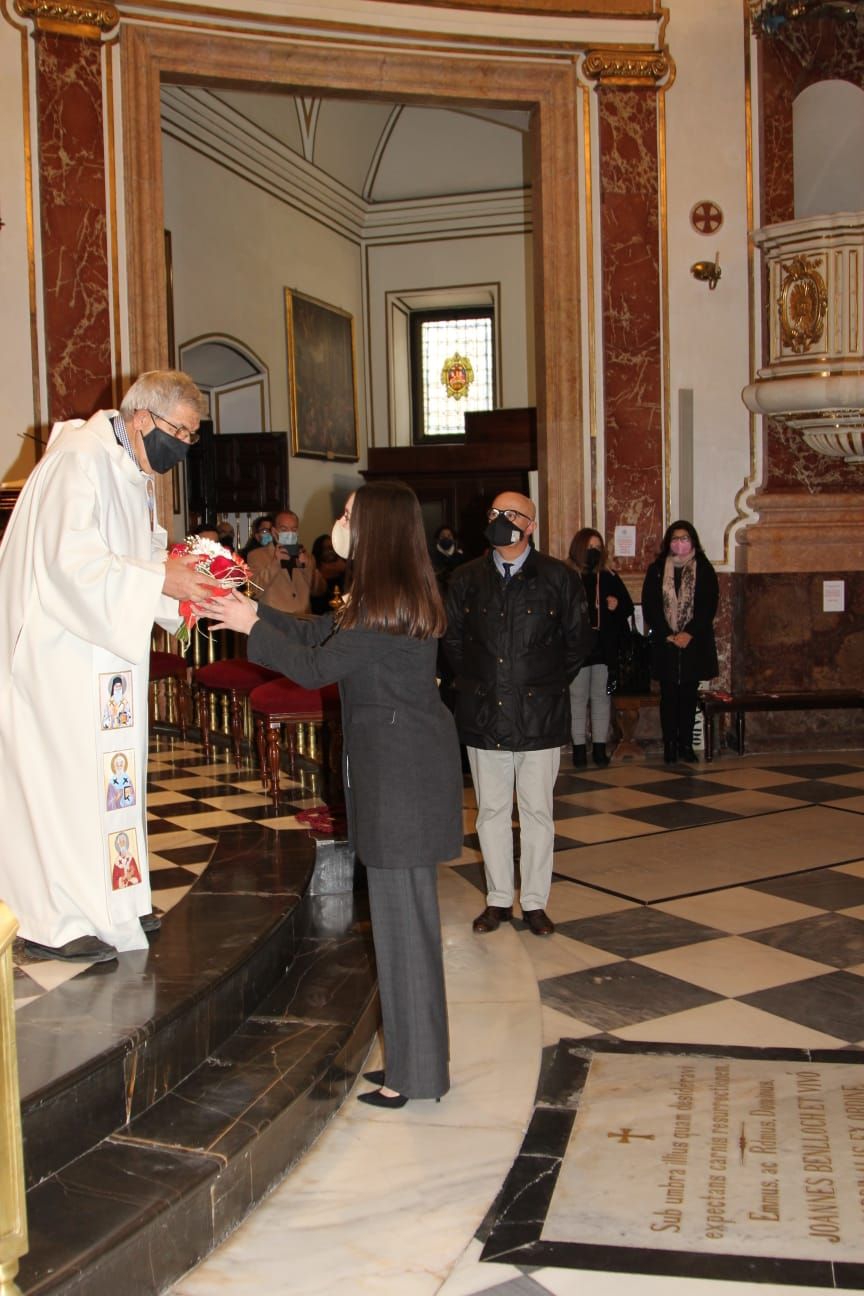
235,250
447,263
16,367
708,331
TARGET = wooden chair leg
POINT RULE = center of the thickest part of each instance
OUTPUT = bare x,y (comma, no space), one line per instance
182,706
273,758
204,719
261,744
236,729
292,746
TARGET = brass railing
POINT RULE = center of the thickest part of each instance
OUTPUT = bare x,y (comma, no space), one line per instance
13,1211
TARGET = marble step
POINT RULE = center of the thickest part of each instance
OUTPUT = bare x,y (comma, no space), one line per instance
147,1202
102,1048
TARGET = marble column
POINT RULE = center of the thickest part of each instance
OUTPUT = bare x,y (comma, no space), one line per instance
73,223
809,508
627,85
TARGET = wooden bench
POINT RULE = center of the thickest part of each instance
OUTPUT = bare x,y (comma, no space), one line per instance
738,704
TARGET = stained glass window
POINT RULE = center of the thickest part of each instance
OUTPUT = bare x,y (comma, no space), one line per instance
454,371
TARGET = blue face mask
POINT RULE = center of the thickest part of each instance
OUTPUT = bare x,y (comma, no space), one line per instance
265,538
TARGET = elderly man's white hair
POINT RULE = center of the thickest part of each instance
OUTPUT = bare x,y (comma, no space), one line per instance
162,390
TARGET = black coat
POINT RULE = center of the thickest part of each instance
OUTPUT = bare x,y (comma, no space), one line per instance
698,661
403,771
513,650
607,626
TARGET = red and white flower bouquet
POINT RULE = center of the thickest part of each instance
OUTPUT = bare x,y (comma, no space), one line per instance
226,569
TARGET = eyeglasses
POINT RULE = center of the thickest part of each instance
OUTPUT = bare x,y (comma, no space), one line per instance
181,432
510,514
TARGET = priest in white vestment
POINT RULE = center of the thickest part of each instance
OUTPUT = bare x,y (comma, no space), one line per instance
84,573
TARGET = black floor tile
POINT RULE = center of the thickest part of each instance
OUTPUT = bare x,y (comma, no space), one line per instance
816,770
472,873
633,932
816,791
621,994
825,888
835,939
171,810
833,1004
687,789
197,854
162,879
678,814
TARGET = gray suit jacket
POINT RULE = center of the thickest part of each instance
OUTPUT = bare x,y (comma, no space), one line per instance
403,769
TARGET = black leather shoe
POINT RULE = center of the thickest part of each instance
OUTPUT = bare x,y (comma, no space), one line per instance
537,921
377,1099
580,755
599,753
374,1077
688,754
492,917
86,949
150,922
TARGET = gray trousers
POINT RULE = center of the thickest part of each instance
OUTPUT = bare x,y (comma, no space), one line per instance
534,774
406,930
589,686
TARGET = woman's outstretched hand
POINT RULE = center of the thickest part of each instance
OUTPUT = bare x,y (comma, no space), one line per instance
233,611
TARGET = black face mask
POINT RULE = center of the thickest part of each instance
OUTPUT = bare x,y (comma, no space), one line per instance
163,450
502,533
592,559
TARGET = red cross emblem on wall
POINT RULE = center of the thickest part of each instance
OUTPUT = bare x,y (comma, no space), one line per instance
706,217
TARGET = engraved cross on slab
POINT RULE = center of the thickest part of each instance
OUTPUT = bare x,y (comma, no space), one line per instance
626,1135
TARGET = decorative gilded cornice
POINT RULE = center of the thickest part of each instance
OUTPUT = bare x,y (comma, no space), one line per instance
90,21
624,66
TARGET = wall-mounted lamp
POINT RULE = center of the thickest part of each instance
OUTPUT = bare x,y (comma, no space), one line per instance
707,271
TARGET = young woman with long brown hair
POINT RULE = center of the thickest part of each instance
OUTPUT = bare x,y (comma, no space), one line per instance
402,767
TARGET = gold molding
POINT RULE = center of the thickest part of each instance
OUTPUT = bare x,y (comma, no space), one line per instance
628,66
88,21
802,304
596,513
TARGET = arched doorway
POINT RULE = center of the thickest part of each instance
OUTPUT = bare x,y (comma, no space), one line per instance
546,84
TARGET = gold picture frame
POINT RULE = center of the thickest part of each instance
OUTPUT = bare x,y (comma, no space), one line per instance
322,379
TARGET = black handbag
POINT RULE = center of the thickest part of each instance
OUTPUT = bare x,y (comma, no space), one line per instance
631,674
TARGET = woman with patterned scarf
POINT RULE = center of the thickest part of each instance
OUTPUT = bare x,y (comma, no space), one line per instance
679,603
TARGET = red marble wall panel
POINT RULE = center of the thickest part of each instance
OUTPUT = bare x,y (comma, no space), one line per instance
803,53
73,224
790,643
629,191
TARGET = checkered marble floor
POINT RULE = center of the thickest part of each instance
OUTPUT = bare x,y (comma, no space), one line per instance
710,904
716,905
189,798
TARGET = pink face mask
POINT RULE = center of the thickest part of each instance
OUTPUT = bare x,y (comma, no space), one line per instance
681,548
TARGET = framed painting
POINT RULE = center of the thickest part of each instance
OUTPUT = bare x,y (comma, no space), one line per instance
321,375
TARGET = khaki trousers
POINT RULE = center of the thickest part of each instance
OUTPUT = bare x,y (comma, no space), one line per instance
533,773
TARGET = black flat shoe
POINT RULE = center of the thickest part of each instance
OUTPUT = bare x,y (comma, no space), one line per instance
374,1077
377,1099
150,922
85,949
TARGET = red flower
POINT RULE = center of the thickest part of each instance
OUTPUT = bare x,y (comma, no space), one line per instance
227,568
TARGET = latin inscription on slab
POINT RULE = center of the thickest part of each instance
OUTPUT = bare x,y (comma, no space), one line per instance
731,1155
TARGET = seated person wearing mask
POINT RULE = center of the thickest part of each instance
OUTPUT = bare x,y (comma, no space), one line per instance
286,574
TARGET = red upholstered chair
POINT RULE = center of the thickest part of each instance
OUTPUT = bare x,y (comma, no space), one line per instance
169,674
237,679
282,702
